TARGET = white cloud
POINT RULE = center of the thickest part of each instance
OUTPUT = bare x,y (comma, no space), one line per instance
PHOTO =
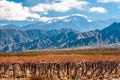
107,1
61,6
15,11
98,10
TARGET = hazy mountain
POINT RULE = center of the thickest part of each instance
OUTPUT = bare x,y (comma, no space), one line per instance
76,22
9,26
18,40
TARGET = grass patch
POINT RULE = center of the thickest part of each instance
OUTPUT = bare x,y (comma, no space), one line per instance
114,52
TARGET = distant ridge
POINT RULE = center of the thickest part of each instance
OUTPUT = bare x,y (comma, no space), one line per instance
114,26
77,22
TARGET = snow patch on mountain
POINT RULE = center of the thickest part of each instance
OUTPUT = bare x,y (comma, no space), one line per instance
63,18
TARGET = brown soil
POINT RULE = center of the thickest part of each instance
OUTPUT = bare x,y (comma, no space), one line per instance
57,58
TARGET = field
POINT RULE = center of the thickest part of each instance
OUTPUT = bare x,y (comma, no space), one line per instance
96,64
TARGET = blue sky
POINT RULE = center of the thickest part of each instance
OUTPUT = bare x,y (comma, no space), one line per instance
21,10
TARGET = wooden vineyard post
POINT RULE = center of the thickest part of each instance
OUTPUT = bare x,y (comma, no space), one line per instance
23,69
76,68
58,70
14,68
43,68
117,67
39,69
93,69
50,67
0,70
33,69
5,68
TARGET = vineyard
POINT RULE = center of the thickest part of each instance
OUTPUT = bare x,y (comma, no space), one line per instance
61,65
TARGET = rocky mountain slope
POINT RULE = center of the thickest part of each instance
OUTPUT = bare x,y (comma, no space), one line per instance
21,40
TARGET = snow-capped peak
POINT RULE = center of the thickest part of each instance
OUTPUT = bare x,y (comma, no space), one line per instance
3,24
63,18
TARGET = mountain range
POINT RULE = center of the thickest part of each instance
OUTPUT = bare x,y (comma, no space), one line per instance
75,22
14,40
